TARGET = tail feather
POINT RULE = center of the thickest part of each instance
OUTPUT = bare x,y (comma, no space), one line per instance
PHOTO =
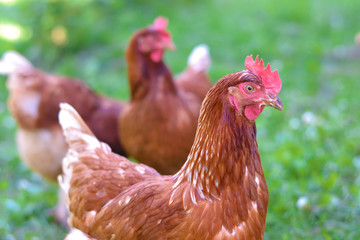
70,118
79,138
14,62
77,134
199,59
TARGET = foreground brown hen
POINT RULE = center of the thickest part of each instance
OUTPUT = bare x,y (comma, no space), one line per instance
220,192
158,125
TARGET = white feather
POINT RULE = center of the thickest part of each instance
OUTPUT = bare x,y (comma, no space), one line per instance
199,59
76,234
66,119
65,178
12,62
70,125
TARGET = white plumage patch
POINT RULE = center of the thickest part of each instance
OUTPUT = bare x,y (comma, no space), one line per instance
12,62
192,196
108,203
225,232
64,179
16,58
246,172
127,199
230,234
66,117
140,169
199,58
91,142
257,180
67,120
172,196
70,121
121,171
29,104
6,68
76,234
254,204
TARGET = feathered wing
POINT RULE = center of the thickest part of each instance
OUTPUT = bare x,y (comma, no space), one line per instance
92,174
220,192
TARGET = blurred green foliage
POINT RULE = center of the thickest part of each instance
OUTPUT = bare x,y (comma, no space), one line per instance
309,151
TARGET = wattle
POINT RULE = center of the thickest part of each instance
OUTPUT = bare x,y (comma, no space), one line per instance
253,111
156,55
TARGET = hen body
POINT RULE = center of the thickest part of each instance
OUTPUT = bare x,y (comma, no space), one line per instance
220,192
158,125
34,103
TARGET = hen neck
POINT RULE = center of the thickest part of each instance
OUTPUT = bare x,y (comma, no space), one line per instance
224,153
147,77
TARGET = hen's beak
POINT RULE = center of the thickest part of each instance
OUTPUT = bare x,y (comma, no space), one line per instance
171,46
275,102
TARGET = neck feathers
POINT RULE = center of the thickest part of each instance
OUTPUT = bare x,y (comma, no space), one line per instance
225,152
223,169
146,76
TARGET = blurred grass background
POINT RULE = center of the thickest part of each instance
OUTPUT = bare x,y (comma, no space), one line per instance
311,151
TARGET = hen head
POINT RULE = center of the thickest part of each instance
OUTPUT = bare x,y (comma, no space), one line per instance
256,89
156,39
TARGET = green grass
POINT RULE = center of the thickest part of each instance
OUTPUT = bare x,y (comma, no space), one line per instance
310,42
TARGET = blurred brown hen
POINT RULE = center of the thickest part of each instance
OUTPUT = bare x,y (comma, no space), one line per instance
34,103
157,126
219,193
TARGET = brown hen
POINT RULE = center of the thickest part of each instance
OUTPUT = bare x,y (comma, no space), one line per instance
157,127
34,103
219,193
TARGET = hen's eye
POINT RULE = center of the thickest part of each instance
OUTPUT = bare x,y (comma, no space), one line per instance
249,88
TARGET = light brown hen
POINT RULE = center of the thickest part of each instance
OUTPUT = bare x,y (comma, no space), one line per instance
219,193
157,126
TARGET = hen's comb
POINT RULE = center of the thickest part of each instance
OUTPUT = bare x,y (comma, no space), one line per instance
160,23
270,79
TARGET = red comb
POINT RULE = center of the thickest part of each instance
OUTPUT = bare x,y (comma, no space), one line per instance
160,23
270,79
